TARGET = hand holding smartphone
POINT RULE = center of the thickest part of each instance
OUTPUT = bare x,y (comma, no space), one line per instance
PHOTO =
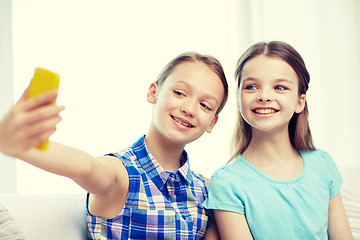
42,82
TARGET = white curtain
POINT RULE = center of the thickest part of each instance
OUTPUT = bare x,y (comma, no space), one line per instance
108,52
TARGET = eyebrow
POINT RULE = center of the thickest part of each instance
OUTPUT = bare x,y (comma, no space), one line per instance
248,79
276,80
284,80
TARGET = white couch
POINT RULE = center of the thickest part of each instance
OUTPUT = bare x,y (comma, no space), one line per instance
350,192
59,217
48,217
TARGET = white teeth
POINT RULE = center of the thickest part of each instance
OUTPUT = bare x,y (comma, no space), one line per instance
182,123
264,111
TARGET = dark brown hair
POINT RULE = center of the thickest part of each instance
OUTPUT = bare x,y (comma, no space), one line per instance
212,63
299,130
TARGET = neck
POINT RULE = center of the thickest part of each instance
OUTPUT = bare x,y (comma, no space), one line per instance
269,146
166,154
274,155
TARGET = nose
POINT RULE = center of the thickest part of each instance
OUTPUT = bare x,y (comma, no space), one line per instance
188,108
265,97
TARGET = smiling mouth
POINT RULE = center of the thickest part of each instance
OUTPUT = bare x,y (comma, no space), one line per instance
186,124
264,110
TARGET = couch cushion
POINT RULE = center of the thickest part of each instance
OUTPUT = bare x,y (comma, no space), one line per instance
48,216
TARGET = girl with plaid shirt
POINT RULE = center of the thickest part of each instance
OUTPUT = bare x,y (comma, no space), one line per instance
146,191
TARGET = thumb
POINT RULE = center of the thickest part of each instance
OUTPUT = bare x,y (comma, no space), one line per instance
24,95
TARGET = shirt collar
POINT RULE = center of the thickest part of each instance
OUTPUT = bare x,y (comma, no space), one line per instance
154,170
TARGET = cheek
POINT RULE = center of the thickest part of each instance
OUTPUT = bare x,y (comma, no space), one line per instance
167,101
162,105
291,104
204,117
243,102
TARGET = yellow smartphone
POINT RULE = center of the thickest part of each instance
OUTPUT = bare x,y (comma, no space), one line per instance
42,82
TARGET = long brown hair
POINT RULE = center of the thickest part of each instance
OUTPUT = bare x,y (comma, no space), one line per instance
299,130
212,63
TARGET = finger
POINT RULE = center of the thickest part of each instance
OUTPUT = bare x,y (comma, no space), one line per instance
36,140
23,126
43,126
44,136
23,97
40,100
25,94
43,113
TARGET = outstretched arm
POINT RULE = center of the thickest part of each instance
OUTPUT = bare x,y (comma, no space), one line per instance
29,123
232,225
338,224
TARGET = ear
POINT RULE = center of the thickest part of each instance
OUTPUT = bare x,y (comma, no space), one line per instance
151,95
301,104
212,124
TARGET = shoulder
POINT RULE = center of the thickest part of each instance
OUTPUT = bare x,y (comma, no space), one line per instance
126,153
227,175
318,157
232,169
126,157
116,166
324,165
200,179
315,154
111,160
119,162
117,158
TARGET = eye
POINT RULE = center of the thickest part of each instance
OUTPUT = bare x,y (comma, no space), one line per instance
281,88
178,93
250,87
205,106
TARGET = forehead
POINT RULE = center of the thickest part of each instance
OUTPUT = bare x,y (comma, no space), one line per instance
265,67
198,77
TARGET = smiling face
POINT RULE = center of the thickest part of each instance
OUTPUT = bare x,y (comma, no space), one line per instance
186,103
268,94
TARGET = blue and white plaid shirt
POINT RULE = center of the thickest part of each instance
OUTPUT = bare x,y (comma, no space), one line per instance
160,204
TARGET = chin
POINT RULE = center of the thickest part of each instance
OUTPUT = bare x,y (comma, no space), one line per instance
181,139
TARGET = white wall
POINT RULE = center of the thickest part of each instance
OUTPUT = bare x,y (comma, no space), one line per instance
108,53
